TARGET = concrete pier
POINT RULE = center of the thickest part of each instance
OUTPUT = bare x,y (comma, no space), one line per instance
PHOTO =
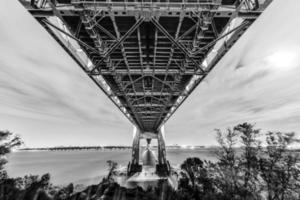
162,167
149,177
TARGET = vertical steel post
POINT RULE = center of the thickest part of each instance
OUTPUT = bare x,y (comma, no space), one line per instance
135,166
148,142
161,146
136,146
163,166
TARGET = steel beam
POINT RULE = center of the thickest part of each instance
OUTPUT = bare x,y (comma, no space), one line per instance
146,75
136,94
135,166
170,61
182,48
161,147
119,42
71,36
86,20
46,12
147,72
209,45
72,52
151,105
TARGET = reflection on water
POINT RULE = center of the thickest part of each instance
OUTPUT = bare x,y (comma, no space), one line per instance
82,167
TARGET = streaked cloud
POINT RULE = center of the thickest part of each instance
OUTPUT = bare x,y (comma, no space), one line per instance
49,101
44,96
257,81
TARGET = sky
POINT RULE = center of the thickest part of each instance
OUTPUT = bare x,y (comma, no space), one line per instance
49,101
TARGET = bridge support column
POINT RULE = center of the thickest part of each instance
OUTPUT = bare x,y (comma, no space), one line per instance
148,142
134,165
163,166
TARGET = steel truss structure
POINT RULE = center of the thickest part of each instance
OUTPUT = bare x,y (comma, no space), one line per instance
147,56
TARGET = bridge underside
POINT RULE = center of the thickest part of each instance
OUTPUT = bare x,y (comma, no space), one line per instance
146,56
162,165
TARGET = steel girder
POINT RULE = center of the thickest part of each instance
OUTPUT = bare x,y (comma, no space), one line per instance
146,56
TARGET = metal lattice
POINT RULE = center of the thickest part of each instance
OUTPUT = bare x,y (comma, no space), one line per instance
147,56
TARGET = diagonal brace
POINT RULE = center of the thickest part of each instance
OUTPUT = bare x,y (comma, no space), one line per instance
119,42
175,42
245,23
136,80
163,82
70,36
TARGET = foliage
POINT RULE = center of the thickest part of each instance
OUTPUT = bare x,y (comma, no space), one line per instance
280,167
112,166
245,169
7,142
248,168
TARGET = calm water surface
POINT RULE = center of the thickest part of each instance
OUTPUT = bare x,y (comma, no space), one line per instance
82,167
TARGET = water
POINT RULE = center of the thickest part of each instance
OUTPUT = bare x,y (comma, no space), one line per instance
82,167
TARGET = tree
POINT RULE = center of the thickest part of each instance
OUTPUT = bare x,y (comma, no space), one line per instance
249,158
226,171
192,167
279,168
7,142
112,166
227,141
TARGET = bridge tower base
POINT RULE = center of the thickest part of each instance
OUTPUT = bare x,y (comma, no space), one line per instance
134,166
163,166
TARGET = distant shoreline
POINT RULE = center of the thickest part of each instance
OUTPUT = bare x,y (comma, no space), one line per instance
80,148
101,148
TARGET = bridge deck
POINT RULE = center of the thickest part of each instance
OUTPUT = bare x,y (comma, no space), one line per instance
147,56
